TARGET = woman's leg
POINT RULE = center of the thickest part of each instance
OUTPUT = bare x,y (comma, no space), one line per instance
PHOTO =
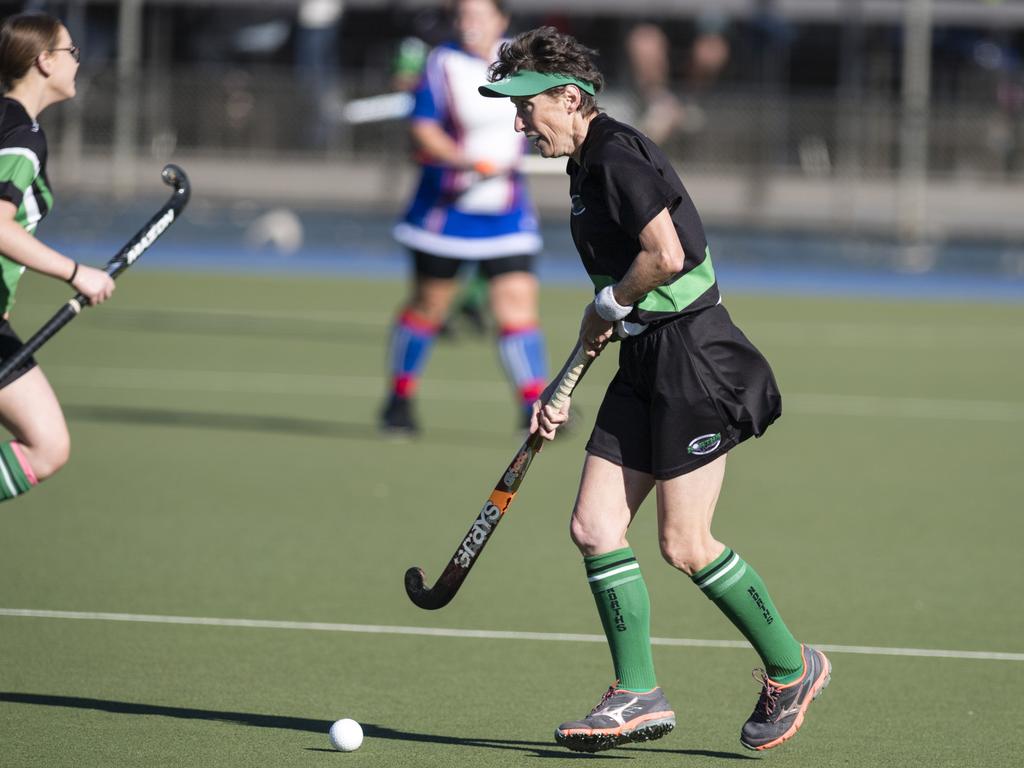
686,506
30,411
520,339
608,499
795,674
634,709
413,335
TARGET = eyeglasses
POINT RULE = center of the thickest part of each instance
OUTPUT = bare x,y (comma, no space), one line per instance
74,50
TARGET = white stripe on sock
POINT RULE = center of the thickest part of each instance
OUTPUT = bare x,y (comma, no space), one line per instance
732,564
12,489
614,571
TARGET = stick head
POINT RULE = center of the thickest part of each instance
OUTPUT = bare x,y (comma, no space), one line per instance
173,176
422,595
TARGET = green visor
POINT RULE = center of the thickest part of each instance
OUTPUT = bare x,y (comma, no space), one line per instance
528,83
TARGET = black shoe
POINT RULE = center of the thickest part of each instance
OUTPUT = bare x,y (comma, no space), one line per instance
397,417
619,718
781,708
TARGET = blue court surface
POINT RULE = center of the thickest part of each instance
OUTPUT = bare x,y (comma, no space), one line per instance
220,237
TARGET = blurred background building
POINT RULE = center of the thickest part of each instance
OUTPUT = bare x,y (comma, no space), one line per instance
900,119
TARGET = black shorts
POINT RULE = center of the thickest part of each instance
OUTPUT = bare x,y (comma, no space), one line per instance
685,393
9,344
444,268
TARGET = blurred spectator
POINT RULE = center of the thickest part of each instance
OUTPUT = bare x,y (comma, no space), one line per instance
710,52
709,55
659,112
430,27
409,61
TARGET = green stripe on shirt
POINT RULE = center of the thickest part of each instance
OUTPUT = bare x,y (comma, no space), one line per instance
678,295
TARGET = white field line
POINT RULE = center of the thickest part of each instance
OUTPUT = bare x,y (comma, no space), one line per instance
462,390
480,634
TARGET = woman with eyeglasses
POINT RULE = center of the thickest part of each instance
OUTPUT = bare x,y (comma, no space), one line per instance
38,63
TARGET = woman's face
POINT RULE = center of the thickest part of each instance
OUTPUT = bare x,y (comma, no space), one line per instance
62,64
546,119
480,25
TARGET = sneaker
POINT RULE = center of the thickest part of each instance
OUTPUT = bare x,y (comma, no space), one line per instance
780,710
619,718
397,417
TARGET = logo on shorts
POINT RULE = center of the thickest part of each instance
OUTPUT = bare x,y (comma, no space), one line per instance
577,205
705,444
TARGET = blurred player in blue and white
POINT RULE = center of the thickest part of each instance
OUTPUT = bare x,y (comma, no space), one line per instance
471,205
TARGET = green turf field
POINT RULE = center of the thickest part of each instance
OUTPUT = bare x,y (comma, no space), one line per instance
225,465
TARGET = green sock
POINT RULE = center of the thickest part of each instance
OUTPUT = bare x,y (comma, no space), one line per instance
740,594
625,609
13,480
474,293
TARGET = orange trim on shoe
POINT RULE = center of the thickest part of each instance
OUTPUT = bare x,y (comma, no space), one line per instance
621,730
826,671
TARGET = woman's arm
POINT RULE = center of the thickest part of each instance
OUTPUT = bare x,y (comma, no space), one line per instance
430,138
659,260
22,247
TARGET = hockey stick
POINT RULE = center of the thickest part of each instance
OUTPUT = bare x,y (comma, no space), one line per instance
173,176
438,596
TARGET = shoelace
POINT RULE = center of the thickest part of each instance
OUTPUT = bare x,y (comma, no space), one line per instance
607,695
769,691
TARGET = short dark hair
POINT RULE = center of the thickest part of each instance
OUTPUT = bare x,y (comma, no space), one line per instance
547,50
22,38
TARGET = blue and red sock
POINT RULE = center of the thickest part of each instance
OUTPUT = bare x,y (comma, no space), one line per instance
412,338
523,356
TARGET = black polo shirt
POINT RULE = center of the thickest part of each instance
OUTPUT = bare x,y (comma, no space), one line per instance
623,180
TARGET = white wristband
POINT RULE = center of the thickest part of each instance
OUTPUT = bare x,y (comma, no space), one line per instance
607,307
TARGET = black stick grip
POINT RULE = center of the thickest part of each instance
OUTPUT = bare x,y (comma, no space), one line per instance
63,316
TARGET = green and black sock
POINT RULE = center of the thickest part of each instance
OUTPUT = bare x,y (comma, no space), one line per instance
734,586
16,475
625,610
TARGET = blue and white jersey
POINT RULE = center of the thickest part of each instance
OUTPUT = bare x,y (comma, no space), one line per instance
461,214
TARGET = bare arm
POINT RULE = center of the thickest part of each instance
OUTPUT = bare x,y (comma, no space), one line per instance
22,247
659,260
18,245
431,139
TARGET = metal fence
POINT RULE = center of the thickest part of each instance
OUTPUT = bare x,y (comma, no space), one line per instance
263,112
876,150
